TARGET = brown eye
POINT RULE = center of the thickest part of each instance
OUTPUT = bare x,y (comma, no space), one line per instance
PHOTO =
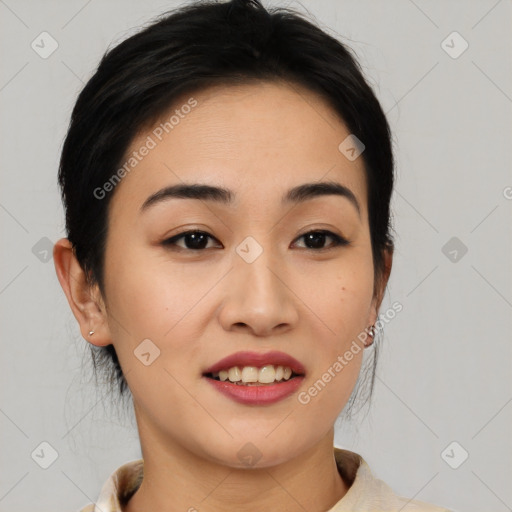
192,240
315,240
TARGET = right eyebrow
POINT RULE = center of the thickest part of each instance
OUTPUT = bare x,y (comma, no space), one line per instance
189,191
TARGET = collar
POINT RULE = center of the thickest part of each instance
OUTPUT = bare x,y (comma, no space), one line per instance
365,493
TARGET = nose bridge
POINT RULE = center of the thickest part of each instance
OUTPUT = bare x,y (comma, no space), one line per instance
256,294
257,268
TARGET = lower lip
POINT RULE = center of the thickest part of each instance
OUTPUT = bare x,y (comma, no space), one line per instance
257,395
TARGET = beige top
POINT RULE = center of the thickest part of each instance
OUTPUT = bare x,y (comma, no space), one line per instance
366,493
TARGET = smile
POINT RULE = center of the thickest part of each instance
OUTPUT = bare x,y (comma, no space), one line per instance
253,376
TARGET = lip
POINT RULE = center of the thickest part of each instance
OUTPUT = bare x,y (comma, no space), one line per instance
247,358
265,394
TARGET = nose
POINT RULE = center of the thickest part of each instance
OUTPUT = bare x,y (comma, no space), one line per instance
258,297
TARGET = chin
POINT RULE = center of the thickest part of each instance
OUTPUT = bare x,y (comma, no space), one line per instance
256,452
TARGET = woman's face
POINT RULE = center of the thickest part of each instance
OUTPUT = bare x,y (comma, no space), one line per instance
251,282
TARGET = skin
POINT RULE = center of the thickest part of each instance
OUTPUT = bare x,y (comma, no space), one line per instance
258,140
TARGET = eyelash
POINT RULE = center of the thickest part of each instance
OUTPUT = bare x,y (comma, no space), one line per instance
338,241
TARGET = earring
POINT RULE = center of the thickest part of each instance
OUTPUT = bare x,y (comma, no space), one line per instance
91,333
371,333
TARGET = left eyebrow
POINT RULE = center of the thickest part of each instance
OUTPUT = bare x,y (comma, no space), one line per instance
205,192
320,188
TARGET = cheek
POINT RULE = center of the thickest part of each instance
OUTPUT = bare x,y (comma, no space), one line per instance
153,299
150,297
149,301
339,295
339,301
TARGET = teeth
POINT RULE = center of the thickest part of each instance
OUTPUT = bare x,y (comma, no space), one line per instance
250,374
267,374
234,374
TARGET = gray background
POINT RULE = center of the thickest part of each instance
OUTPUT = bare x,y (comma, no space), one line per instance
445,368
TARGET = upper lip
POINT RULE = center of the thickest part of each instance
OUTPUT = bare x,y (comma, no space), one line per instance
257,359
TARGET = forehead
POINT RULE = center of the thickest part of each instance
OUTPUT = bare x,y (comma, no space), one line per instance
257,139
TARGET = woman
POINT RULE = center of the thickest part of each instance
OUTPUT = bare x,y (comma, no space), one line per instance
227,176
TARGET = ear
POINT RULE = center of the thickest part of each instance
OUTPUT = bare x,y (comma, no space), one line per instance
381,285
85,301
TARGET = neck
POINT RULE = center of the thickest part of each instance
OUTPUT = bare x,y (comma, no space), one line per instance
176,479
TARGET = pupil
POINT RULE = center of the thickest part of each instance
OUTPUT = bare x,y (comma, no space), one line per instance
318,239
198,240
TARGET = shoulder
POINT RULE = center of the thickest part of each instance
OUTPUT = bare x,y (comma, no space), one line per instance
368,493
119,488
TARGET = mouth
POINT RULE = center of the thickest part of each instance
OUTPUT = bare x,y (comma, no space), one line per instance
256,369
255,379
